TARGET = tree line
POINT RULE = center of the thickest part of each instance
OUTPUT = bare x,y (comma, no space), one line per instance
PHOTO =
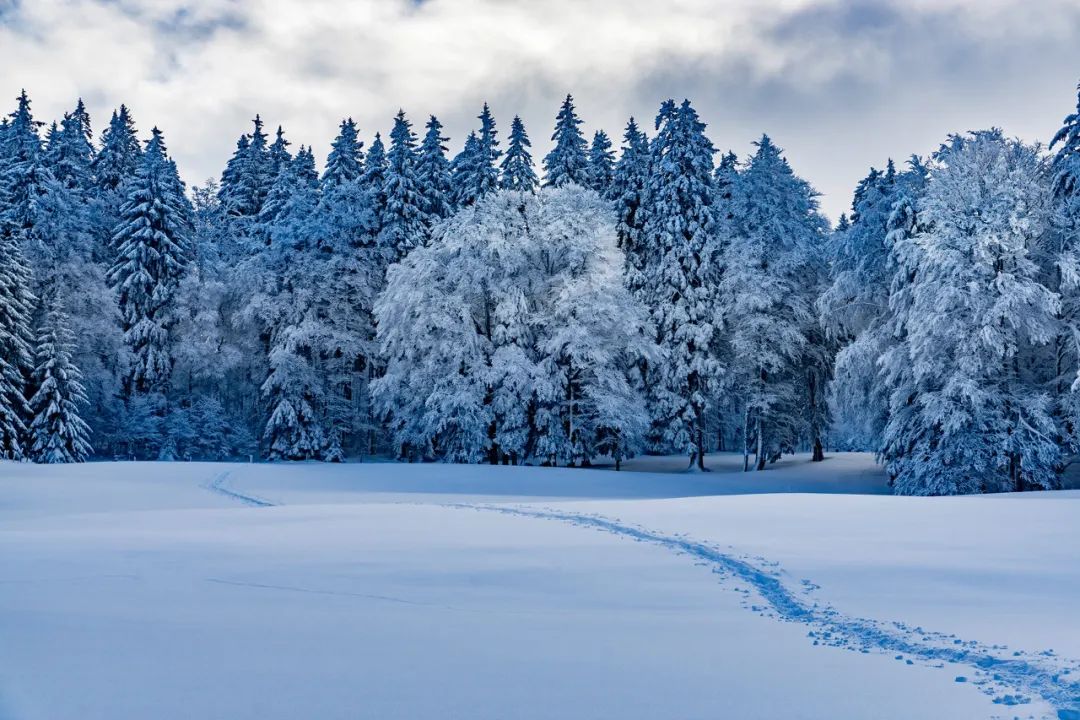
467,308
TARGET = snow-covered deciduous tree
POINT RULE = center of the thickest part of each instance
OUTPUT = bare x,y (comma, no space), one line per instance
57,431
511,336
977,309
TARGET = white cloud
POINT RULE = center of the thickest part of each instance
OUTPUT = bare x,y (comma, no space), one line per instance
839,85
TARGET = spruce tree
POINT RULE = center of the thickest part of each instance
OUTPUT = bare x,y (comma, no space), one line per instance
345,161
152,252
488,153
567,162
601,164
119,156
278,154
57,431
402,223
628,185
433,175
517,166
679,285
464,170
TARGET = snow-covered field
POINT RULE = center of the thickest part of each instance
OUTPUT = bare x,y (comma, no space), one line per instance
200,590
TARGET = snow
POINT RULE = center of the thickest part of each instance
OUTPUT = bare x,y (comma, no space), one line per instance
179,590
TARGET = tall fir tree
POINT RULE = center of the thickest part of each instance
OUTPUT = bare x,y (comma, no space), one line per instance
152,253
58,433
345,161
402,222
601,164
463,172
568,161
433,174
120,151
278,154
488,154
628,186
679,224
517,165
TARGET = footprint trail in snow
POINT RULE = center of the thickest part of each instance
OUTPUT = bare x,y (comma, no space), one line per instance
1012,678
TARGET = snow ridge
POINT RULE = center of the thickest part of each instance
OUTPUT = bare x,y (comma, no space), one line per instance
1012,679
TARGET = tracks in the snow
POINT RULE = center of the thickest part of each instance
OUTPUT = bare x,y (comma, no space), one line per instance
1010,677
217,485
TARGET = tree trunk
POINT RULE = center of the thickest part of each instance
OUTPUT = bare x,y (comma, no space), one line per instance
746,440
760,457
819,451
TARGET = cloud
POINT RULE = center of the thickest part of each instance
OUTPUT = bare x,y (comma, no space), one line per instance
840,85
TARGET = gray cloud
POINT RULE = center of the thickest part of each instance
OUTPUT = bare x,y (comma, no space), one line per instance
839,85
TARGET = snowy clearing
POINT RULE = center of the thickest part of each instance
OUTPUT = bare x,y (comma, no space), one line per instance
133,590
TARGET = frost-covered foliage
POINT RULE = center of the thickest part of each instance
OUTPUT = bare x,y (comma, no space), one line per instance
511,337
654,298
978,310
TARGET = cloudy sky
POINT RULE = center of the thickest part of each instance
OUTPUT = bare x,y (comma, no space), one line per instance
840,85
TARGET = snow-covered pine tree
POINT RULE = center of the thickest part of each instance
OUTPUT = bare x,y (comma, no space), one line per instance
278,156
774,243
16,305
57,431
486,179
601,164
152,252
463,173
517,165
679,285
345,161
402,220
977,308
120,151
72,157
627,190
433,174
568,161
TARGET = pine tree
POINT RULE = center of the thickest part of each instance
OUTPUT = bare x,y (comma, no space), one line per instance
345,161
16,304
679,224
517,166
57,431
628,185
772,263
488,154
402,222
433,175
152,252
278,155
71,160
464,171
601,164
567,162
119,156
248,176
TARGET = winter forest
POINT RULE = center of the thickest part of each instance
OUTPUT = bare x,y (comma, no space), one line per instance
662,296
